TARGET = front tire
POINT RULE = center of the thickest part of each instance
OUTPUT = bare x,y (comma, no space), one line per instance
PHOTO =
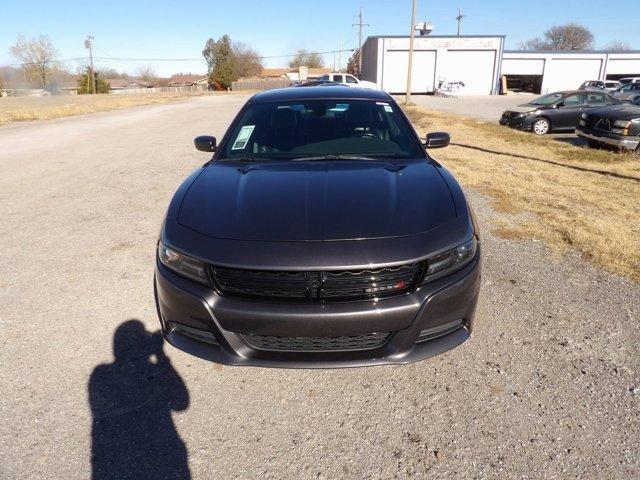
541,126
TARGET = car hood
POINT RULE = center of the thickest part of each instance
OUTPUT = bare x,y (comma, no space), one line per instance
618,112
313,201
523,108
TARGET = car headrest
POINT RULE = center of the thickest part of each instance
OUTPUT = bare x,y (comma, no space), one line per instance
284,118
359,115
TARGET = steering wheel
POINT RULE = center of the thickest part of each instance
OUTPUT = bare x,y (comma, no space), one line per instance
366,135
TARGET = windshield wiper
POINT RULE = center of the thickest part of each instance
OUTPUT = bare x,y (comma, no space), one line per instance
331,156
238,159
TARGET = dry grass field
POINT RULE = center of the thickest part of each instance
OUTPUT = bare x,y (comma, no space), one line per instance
17,109
569,197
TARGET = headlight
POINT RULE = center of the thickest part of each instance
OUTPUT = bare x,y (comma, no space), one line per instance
621,123
522,115
452,260
181,264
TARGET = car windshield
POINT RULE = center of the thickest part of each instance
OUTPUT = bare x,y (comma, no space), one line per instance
311,128
547,99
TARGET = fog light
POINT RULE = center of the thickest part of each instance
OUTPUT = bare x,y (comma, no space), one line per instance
195,333
439,331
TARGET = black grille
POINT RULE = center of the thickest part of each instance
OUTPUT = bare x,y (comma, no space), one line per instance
317,286
599,123
367,341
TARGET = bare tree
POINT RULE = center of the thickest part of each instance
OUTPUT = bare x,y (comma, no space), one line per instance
306,59
536,43
147,74
247,61
617,46
569,37
37,57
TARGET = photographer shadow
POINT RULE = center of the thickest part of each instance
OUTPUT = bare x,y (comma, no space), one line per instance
131,399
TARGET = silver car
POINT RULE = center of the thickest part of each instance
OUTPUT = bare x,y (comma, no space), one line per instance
628,92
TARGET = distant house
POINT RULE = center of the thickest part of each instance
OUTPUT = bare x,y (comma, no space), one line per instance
274,72
316,73
187,80
127,83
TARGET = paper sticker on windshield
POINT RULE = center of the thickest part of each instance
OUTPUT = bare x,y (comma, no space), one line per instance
243,137
386,106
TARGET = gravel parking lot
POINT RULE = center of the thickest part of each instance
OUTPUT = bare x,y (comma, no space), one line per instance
547,387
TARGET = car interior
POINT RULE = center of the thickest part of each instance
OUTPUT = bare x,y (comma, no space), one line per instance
320,127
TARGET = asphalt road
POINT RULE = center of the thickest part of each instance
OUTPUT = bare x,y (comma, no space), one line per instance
547,387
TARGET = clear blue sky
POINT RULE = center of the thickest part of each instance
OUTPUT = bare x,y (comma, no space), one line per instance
162,29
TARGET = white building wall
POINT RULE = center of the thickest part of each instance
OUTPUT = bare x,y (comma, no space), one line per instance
474,60
624,64
566,71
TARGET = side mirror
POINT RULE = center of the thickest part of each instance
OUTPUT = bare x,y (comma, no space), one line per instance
205,143
561,104
437,140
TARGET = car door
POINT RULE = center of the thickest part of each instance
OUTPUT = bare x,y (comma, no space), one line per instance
351,81
595,100
569,109
338,78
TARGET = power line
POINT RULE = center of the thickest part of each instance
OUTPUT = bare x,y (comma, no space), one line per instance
64,60
261,57
131,59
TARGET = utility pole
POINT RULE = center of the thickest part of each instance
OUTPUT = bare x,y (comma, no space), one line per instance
459,19
360,24
87,44
409,70
339,55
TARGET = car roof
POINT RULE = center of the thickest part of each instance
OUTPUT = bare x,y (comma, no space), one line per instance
320,92
569,92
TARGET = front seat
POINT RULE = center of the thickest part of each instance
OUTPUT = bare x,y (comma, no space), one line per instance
359,120
284,128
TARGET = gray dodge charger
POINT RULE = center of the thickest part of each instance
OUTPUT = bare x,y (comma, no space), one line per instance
319,234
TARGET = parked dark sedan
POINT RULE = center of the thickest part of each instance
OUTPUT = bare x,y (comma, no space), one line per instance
320,234
555,111
617,126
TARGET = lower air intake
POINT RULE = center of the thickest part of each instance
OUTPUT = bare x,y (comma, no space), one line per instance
367,341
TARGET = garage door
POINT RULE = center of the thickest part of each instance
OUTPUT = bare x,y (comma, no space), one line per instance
522,66
568,74
396,64
474,68
624,66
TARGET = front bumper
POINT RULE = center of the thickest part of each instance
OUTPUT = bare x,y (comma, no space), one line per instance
519,123
620,141
440,313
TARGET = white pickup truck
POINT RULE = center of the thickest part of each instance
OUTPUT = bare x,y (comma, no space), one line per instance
348,80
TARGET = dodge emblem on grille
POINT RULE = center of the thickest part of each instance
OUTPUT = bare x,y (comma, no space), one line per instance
603,124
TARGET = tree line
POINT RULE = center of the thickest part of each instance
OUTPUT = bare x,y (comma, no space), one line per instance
569,37
228,61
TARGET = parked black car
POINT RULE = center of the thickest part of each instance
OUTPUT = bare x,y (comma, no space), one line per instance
618,126
555,111
320,234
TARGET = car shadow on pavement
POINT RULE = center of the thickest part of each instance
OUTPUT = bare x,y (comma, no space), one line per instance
131,399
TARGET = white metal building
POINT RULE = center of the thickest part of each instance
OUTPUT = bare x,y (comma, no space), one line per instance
480,60
474,60
552,71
